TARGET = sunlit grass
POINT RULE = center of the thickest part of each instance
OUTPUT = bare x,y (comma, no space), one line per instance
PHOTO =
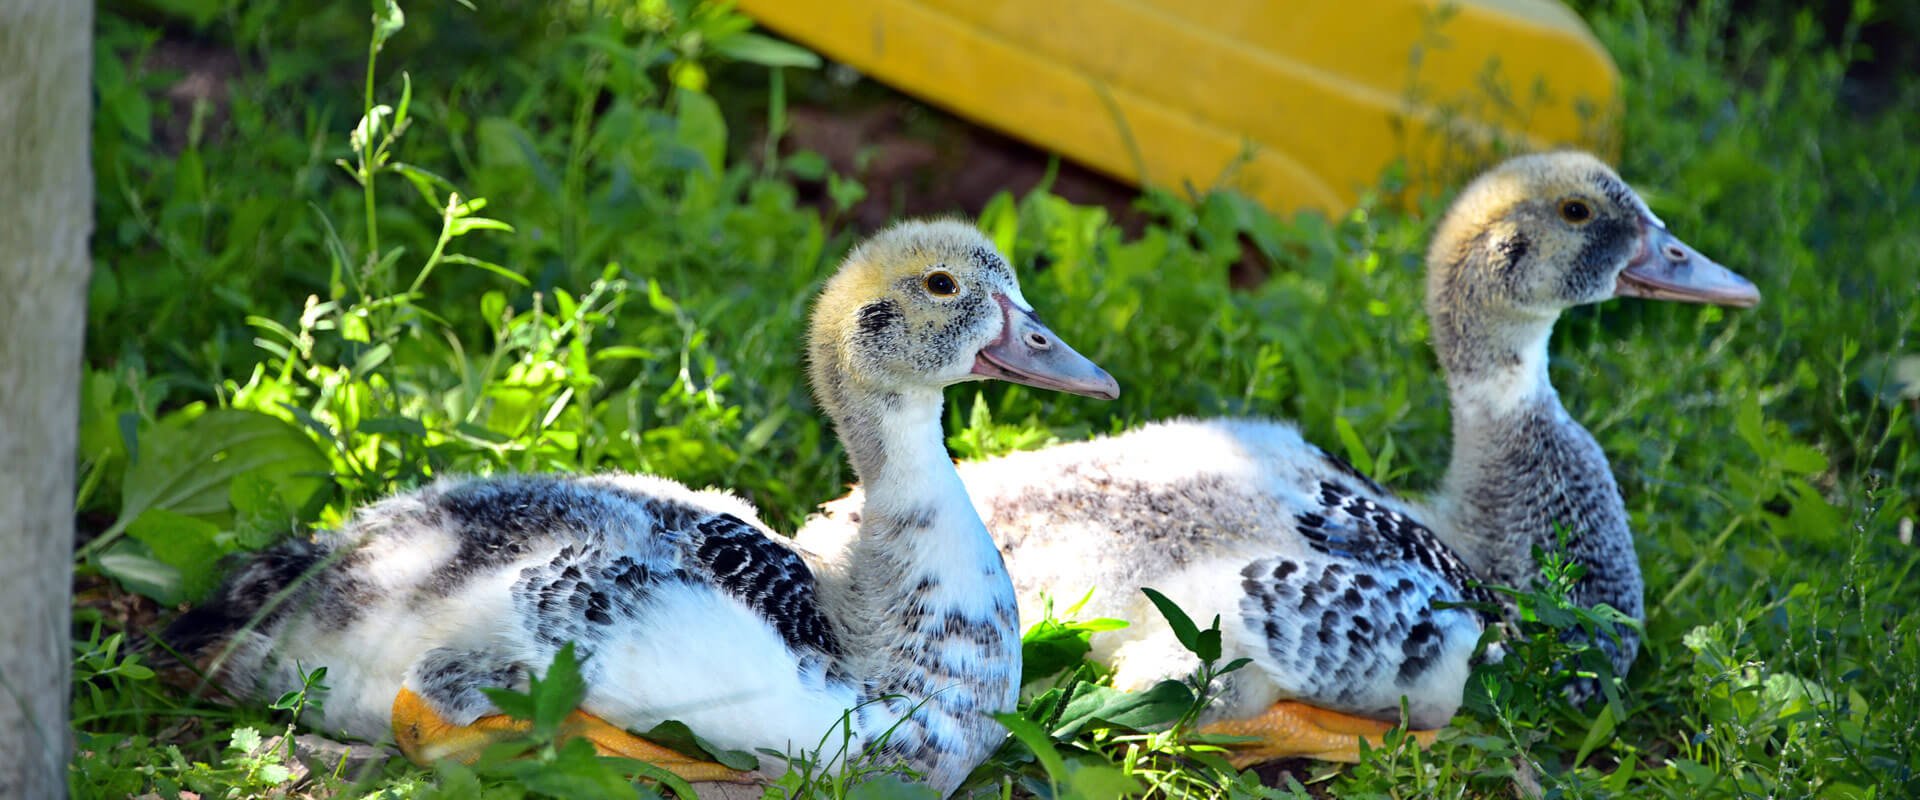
643,312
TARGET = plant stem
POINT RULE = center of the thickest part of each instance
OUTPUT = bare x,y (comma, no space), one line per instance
439,247
1699,563
366,172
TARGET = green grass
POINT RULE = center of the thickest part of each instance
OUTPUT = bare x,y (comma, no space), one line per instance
288,320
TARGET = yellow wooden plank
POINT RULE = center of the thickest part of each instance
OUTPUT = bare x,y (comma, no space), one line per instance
1300,104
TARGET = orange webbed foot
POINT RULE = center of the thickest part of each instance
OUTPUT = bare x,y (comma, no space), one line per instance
1292,729
425,737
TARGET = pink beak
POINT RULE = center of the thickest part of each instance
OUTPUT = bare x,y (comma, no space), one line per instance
1029,354
1667,269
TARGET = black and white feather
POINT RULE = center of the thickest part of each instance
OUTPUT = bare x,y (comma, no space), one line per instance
1327,582
681,605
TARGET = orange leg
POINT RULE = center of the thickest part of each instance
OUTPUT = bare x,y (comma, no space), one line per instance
425,736
1297,730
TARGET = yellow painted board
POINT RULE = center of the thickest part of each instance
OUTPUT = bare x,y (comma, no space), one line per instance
1300,104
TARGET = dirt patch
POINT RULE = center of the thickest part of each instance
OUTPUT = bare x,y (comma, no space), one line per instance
201,83
917,162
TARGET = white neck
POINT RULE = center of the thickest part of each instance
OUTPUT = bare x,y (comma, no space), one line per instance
913,468
931,619
1498,390
1496,380
1523,471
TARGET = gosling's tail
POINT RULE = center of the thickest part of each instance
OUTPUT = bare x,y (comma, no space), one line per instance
227,634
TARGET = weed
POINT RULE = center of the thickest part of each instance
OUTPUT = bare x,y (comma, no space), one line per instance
513,238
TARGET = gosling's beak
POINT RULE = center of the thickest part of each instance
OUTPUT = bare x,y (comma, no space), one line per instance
1667,269
1027,353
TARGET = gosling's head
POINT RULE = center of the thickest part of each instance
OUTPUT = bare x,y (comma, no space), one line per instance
924,305
1542,233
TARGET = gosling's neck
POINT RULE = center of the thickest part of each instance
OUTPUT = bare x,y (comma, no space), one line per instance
1522,469
930,613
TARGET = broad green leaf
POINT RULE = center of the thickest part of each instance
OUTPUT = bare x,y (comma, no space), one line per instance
353,328
187,544
1160,704
1096,780
1036,741
1802,460
245,740
1000,220
1749,423
517,705
261,512
1207,643
1700,775
1811,518
189,469
1182,625
1044,708
676,736
137,570
1553,616
557,693
1049,647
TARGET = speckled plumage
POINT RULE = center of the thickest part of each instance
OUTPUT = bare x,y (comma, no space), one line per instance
1497,520
1216,514
471,583
681,603
1322,578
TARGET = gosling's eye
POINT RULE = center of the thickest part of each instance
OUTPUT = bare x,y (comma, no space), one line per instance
941,284
1575,211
